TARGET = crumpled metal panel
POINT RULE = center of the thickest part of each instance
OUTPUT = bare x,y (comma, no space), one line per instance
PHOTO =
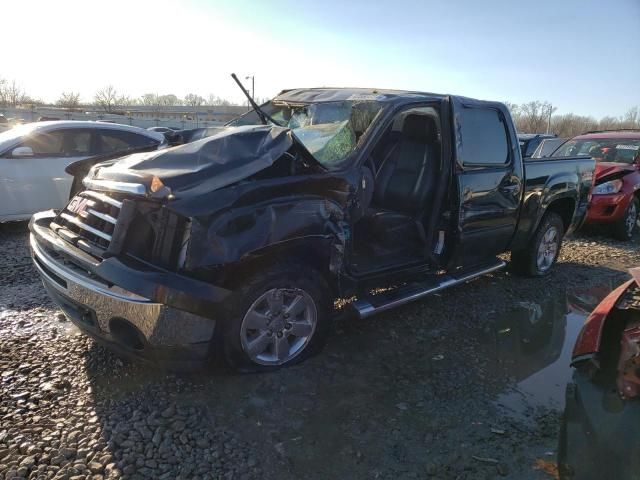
237,232
629,363
205,165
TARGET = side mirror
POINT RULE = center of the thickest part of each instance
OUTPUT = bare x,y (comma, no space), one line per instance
22,152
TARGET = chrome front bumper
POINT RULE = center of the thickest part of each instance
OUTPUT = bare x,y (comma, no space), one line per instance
93,305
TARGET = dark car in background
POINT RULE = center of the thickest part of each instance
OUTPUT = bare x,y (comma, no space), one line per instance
530,141
616,194
547,146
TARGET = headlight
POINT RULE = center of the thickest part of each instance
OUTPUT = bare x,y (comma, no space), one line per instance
614,186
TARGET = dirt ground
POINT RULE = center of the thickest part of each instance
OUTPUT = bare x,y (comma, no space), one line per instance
467,384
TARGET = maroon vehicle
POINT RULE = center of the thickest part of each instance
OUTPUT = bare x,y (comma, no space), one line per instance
599,436
616,194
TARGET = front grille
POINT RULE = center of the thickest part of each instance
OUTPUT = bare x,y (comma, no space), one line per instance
88,221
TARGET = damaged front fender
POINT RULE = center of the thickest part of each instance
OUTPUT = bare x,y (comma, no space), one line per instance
239,232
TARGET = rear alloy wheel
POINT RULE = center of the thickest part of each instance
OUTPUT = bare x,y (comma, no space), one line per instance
626,227
542,252
548,249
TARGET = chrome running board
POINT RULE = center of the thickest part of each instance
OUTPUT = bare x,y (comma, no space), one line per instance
373,304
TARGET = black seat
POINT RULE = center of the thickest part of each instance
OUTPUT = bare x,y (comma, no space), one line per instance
406,179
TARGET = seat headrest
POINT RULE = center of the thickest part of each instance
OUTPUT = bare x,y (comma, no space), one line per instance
420,128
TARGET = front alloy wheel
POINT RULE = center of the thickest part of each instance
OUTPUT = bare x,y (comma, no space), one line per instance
278,326
626,227
632,218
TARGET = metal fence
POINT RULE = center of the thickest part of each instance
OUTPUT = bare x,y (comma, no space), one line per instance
157,118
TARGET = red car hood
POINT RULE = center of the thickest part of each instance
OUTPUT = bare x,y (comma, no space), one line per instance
604,169
588,341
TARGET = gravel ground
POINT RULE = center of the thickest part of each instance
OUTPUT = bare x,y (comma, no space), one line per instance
426,391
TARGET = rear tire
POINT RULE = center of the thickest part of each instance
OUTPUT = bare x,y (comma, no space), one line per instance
538,258
624,228
278,318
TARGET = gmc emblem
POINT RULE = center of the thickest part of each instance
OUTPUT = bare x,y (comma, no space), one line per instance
79,206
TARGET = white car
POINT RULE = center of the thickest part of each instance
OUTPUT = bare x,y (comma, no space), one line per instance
33,158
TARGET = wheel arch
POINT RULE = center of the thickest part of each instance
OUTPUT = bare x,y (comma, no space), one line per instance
565,207
314,252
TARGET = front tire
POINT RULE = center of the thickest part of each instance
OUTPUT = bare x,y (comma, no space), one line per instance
624,228
277,319
543,249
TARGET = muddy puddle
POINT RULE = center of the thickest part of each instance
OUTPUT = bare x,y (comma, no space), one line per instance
408,392
533,346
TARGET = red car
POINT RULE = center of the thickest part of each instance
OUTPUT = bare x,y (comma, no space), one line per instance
616,192
599,435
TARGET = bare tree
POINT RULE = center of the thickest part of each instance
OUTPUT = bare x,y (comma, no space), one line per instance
631,119
194,100
168,100
69,100
214,100
608,123
534,117
11,94
106,98
514,108
28,100
3,92
149,99
126,101
570,125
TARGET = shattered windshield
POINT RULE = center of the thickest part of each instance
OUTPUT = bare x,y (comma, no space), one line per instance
329,130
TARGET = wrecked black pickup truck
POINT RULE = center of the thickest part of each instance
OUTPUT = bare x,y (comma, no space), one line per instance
239,243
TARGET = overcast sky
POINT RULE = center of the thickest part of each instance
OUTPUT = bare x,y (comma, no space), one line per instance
581,55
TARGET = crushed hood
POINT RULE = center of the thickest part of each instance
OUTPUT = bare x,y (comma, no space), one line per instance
604,170
229,156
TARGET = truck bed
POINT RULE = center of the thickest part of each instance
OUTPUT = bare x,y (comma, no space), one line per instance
566,177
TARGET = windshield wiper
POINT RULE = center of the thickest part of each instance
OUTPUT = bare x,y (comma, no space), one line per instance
264,118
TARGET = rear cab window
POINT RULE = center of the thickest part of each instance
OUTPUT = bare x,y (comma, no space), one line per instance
484,137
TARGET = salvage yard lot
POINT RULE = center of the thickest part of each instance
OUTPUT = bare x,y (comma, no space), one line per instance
443,388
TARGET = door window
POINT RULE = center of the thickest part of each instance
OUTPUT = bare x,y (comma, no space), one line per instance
77,143
59,143
45,144
484,137
116,140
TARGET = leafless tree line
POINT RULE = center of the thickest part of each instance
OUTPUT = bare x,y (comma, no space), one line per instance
531,117
12,94
110,100
107,98
538,117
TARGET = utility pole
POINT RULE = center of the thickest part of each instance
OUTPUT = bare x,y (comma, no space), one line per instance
253,86
549,118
